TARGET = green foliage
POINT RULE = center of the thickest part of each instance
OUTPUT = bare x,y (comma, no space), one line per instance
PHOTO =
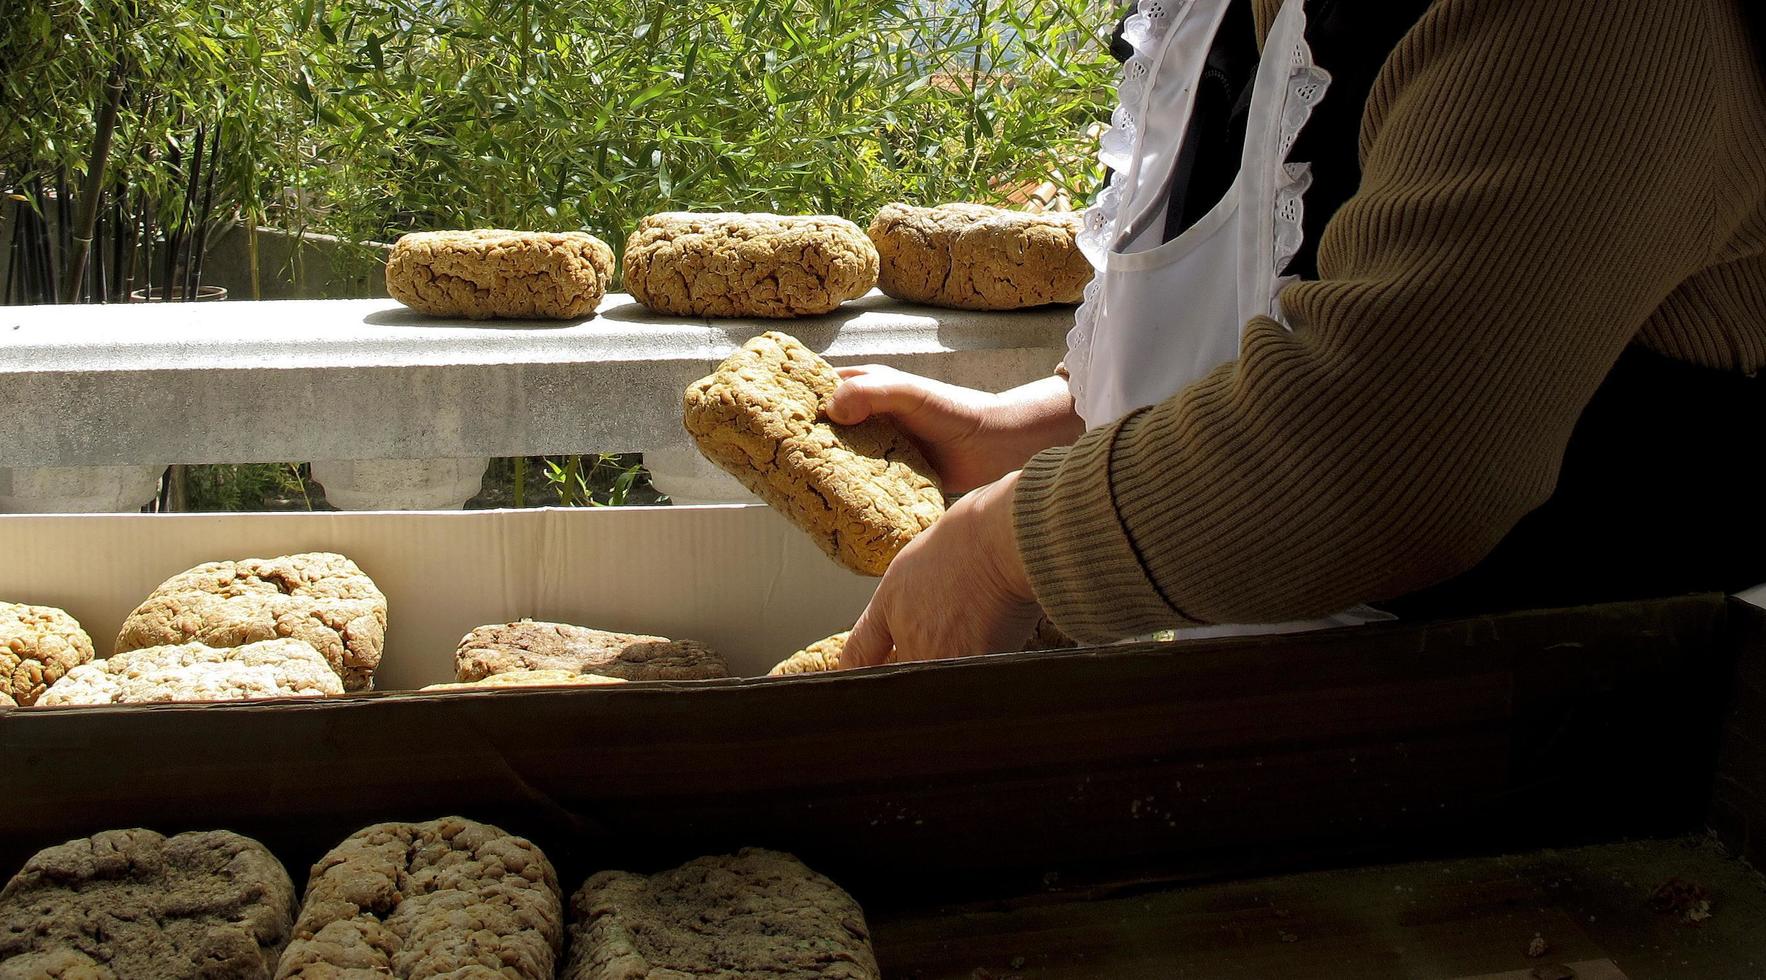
604,480
250,487
368,118
590,115
181,62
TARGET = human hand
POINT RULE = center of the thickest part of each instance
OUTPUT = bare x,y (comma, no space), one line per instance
959,588
970,437
944,420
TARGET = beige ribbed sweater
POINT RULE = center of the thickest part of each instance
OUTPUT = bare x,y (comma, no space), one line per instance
1544,182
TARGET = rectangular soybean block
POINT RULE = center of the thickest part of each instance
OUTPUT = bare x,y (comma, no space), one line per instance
446,898
193,672
529,646
757,913
862,491
133,904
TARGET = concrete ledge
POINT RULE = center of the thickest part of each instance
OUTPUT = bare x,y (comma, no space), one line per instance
241,382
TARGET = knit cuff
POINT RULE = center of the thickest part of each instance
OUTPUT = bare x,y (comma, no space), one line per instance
1082,564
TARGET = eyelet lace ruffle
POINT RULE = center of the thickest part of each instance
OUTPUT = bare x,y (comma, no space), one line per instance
1306,88
1152,20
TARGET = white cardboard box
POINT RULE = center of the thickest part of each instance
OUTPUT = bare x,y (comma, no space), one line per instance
739,578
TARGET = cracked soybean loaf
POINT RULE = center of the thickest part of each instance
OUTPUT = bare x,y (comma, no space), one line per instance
819,657
321,598
447,898
38,645
861,491
759,265
494,273
529,678
824,655
757,913
489,651
974,257
193,672
133,905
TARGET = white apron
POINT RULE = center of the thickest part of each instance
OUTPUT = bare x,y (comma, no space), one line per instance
1161,315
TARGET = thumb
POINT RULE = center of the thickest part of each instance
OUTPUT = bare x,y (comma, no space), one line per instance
870,642
862,396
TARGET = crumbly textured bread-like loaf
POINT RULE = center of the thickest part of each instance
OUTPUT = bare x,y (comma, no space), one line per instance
321,598
759,265
531,646
861,491
974,257
824,655
134,904
38,644
757,913
58,964
820,656
448,898
530,678
493,273
193,672
6,700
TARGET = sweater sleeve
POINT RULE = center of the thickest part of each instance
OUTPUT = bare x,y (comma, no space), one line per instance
1536,179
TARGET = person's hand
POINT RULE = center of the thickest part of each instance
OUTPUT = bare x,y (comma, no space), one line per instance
959,588
944,420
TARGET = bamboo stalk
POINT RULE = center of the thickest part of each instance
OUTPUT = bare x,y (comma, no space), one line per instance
119,237
36,242
94,290
149,212
14,255
41,242
63,233
170,235
89,198
186,225
208,203
26,252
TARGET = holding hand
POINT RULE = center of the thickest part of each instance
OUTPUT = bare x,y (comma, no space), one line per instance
958,589
970,437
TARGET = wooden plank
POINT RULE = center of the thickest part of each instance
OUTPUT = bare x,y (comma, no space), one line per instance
993,775
1738,798
1473,919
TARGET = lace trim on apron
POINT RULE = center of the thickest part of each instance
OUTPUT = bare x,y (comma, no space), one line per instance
1144,32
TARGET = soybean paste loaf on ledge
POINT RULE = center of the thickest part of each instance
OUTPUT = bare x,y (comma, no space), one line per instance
38,646
494,273
861,491
320,598
748,265
975,257
134,905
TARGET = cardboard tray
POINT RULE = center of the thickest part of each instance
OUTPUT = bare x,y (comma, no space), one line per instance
738,577
985,776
